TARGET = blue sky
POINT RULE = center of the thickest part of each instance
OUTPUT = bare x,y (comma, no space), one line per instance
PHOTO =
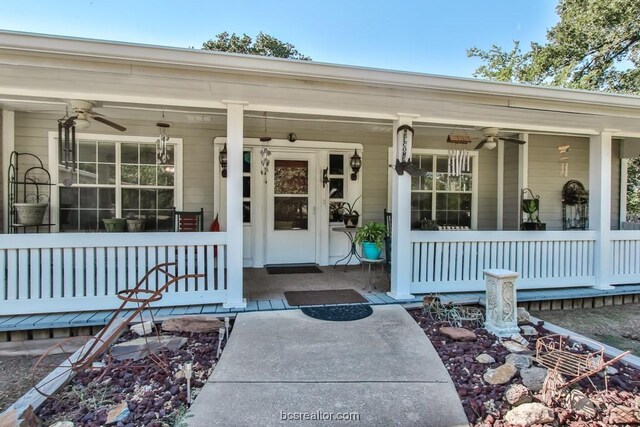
424,36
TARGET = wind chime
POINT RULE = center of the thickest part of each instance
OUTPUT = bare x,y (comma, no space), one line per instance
264,151
67,140
564,160
458,159
162,155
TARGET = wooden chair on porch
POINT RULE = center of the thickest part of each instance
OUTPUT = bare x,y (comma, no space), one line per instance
188,220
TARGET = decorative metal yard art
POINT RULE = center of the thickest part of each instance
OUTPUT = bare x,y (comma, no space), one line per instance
567,367
455,314
141,296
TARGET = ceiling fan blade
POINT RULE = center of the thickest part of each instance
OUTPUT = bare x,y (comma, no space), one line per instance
109,123
93,113
479,146
517,141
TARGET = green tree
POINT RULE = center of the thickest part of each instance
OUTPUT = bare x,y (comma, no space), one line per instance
595,46
264,45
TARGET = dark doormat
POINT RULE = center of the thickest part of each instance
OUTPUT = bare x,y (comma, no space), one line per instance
293,269
334,296
338,313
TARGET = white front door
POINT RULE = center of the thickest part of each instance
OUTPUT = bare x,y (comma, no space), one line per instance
291,209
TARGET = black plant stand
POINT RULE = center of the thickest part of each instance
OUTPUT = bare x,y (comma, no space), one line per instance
349,232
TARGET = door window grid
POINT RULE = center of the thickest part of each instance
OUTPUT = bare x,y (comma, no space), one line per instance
337,184
105,167
440,198
246,187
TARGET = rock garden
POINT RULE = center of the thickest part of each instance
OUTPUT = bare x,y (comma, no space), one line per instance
500,382
142,379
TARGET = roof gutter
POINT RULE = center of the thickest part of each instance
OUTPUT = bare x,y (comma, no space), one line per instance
195,58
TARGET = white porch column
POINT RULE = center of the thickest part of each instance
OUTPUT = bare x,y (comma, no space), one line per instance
600,206
8,145
523,170
235,140
400,224
500,187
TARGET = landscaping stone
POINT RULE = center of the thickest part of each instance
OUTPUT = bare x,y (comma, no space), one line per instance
500,375
576,401
199,324
141,347
519,339
458,334
529,414
528,331
519,360
523,316
517,394
485,359
533,378
63,424
514,347
118,413
144,328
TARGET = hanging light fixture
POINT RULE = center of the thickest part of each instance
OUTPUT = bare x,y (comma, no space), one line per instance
223,161
356,164
162,155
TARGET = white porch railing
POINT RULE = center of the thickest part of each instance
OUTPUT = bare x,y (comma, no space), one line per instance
73,271
625,247
445,261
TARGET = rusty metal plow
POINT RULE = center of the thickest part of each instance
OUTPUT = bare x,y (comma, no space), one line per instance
566,367
98,345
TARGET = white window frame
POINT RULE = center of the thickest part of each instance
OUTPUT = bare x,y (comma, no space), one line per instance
473,155
54,171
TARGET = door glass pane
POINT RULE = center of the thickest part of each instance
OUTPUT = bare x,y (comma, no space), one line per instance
291,177
291,213
246,161
336,164
336,186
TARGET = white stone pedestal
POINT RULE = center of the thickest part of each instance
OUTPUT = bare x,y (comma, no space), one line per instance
501,317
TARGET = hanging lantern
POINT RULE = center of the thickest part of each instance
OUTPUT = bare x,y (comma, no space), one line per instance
162,155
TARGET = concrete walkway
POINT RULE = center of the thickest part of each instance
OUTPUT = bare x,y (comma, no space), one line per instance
285,368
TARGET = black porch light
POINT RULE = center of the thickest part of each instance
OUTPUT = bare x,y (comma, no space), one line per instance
223,161
356,164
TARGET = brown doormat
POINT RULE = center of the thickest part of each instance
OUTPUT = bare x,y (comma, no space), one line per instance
336,296
293,269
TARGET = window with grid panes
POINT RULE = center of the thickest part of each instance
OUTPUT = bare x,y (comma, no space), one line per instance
440,198
337,184
107,169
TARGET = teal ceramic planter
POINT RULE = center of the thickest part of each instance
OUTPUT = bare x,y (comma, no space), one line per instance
370,250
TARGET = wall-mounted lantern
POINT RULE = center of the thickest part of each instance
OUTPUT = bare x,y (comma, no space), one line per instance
223,161
356,164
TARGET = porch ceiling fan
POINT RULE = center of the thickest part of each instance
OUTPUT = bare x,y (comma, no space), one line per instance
84,111
491,139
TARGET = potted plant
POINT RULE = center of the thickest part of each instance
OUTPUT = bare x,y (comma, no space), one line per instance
531,207
350,216
371,237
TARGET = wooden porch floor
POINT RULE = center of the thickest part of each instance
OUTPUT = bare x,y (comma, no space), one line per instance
98,318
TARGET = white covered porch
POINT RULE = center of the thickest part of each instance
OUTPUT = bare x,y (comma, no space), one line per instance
329,108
